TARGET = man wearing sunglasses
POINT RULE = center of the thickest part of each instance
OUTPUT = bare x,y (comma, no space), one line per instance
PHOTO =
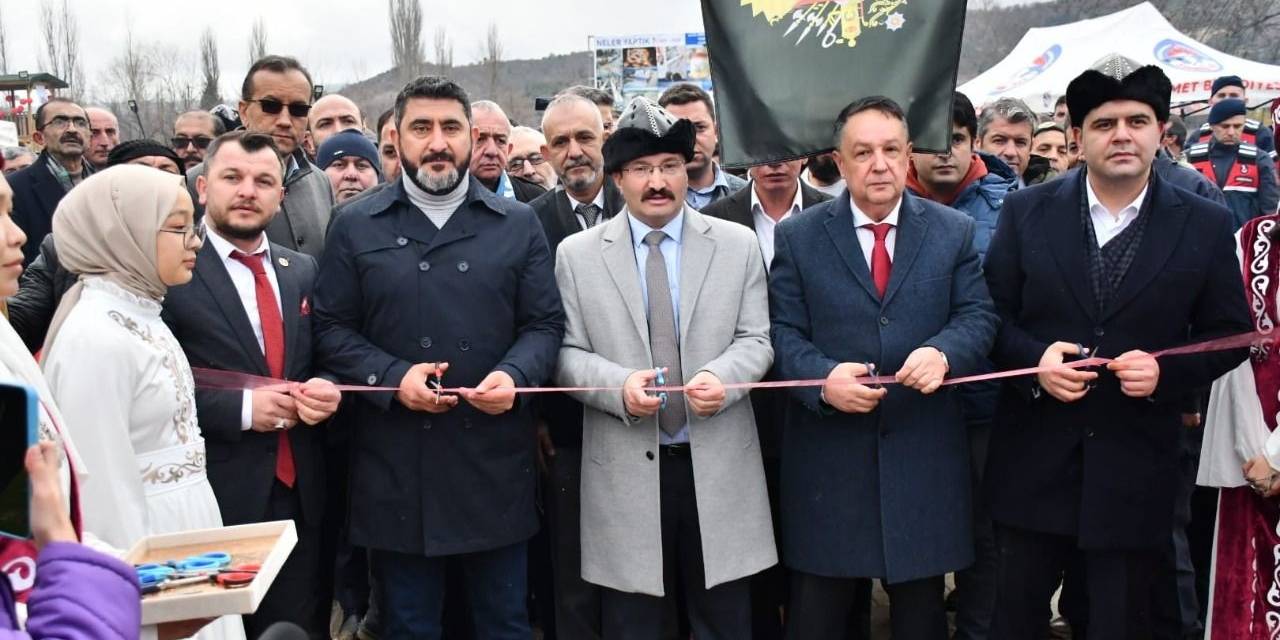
275,100
192,133
62,128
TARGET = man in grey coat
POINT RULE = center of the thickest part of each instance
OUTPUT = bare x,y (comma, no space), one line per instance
275,99
672,483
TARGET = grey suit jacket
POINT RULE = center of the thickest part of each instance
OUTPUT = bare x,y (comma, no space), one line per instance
724,328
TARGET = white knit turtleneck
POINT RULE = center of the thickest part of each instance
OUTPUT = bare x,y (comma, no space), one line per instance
438,208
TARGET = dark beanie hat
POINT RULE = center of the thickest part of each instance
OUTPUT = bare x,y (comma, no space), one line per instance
1226,109
1226,81
345,143
1092,89
133,149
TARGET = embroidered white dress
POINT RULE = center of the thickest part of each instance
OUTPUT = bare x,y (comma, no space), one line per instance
126,393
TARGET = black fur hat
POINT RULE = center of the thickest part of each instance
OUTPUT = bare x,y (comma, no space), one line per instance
643,129
1148,85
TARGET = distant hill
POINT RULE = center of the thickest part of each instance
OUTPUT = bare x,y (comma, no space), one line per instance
519,83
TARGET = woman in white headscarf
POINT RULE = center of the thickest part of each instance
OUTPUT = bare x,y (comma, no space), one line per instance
118,374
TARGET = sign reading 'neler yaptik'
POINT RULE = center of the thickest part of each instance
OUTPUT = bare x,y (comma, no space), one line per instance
783,69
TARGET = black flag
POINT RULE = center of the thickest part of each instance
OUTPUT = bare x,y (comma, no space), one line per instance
783,69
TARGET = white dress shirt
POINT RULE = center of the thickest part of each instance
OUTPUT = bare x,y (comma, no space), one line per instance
242,278
867,237
574,204
765,224
1108,225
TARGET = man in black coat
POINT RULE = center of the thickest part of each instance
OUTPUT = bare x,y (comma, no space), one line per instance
433,280
248,310
1113,261
774,194
62,127
586,197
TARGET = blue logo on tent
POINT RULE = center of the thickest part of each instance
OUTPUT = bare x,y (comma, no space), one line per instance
1038,66
1181,55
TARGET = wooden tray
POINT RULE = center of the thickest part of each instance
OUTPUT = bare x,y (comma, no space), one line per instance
266,543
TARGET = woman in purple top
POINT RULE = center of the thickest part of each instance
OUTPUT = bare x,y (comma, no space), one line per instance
79,593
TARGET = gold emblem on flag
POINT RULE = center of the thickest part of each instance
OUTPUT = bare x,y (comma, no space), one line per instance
829,22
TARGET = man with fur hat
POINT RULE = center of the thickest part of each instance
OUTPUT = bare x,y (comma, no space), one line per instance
1245,173
1109,261
673,489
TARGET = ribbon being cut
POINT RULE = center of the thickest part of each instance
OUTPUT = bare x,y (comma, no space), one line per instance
232,380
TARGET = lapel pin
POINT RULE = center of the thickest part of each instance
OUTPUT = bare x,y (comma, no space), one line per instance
284,262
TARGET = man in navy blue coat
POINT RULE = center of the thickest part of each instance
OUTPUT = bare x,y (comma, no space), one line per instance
435,273
875,481
1083,464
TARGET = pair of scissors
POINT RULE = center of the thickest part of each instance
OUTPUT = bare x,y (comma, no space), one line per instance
660,380
436,382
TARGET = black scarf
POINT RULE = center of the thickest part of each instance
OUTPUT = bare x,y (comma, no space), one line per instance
1109,263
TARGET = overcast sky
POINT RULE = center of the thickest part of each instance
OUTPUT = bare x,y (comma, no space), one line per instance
336,41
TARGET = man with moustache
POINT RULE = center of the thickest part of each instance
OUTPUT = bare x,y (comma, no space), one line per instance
585,197
275,99
62,128
104,135
673,489
492,151
248,310
193,131
435,280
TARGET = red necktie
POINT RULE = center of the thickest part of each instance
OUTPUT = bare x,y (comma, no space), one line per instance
273,349
881,265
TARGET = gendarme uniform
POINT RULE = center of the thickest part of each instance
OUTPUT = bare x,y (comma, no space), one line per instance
1245,173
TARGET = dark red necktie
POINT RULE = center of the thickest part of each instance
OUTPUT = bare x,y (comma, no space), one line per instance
881,265
273,349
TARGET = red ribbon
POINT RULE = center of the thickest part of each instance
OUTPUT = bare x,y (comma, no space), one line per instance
235,381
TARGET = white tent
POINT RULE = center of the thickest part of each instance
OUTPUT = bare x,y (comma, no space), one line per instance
1047,59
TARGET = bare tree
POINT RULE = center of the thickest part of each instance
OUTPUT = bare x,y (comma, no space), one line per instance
49,56
69,29
61,53
405,21
443,51
4,45
209,65
258,41
491,55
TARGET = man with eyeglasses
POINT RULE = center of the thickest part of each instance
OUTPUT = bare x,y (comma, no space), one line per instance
673,489
62,128
275,99
526,159
192,133
491,151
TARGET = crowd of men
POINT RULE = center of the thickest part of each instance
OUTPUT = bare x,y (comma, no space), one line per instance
459,249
